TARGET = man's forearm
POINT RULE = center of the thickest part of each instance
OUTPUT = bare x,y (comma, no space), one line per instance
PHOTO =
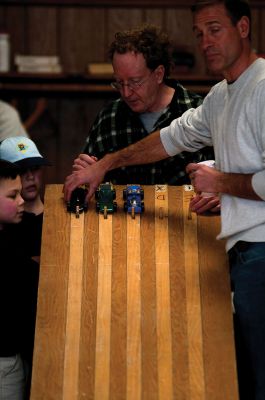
237,185
147,150
205,179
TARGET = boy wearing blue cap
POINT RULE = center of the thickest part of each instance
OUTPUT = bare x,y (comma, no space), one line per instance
23,152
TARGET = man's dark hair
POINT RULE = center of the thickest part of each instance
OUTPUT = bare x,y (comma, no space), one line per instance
236,9
8,170
148,40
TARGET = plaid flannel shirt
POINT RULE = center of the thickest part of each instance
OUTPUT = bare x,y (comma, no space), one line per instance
117,126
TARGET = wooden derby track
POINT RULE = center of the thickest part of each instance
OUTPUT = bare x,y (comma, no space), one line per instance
133,309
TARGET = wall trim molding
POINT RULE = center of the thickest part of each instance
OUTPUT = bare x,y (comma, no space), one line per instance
114,3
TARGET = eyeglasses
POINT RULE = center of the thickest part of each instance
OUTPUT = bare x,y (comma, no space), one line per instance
132,85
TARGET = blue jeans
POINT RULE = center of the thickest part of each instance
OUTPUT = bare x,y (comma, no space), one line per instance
247,268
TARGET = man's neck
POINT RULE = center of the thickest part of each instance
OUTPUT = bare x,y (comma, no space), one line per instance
242,65
164,98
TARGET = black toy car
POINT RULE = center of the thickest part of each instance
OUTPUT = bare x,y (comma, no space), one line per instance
77,203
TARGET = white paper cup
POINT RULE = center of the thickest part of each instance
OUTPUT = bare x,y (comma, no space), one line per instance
211,164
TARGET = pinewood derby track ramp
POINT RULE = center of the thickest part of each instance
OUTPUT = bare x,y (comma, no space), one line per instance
133,309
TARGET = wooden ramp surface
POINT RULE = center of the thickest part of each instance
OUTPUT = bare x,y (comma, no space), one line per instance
133,309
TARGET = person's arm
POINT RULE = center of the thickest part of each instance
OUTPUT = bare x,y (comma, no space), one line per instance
10,122
239,185
206,179
147,150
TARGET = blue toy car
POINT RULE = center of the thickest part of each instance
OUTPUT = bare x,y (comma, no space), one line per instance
133,199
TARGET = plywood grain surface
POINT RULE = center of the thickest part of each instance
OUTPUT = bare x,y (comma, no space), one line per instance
133,308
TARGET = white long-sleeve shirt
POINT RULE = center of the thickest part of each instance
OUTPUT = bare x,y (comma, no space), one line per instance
232,119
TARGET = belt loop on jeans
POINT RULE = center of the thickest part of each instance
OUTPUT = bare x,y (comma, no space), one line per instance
242,245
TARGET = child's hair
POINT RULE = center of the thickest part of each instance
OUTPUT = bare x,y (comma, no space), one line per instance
8,170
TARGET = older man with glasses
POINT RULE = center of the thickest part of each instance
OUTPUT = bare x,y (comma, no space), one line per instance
148,101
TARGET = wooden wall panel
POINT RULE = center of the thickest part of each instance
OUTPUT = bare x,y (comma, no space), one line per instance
71,128
179,27
82,37
16,30
119,19
117,3
75,119
261,47
81,34
3,18
45,134
154,16
41,31
258,30
255,29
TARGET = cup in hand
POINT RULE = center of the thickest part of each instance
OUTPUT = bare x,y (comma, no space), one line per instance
208,163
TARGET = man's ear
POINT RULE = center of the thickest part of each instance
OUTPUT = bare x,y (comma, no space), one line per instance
160,72
243,27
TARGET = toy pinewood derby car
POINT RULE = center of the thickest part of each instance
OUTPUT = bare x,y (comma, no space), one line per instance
133,199
105,196
77,203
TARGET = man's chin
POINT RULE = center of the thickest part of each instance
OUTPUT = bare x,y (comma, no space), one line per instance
135,107
214,68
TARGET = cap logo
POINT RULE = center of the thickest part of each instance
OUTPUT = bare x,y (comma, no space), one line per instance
22,147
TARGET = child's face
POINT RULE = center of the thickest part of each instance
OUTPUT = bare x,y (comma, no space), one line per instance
11,202
31,183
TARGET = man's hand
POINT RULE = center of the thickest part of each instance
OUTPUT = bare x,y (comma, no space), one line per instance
83,161
91,175
201,204
203,178
210,180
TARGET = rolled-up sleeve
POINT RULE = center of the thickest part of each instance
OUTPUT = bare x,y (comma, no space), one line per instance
186,133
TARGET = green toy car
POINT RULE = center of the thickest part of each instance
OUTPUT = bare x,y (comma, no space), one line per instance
105,196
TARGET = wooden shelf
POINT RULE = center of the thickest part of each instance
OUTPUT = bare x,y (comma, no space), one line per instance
53,84
56,84
113,3
102,3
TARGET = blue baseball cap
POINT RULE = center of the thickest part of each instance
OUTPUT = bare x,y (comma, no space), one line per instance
22,151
